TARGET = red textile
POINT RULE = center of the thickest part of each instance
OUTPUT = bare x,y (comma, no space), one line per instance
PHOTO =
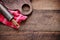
17,16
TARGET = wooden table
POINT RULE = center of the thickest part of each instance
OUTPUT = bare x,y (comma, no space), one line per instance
40,25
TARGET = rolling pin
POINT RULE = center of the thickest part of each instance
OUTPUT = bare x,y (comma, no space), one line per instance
8,15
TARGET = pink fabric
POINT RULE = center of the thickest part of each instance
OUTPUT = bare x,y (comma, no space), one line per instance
17,16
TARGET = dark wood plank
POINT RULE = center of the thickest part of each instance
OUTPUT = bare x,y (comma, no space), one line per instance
46,4
40,20
29,35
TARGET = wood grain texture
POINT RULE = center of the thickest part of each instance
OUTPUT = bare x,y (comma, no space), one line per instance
38,26
40,20
42,24
30,36
46,4
37,4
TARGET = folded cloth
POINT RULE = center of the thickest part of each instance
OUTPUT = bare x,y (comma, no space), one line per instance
17,16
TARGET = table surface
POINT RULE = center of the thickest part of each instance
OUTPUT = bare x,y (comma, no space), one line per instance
40,25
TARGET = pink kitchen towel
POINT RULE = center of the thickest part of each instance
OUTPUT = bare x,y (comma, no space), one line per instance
17,16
